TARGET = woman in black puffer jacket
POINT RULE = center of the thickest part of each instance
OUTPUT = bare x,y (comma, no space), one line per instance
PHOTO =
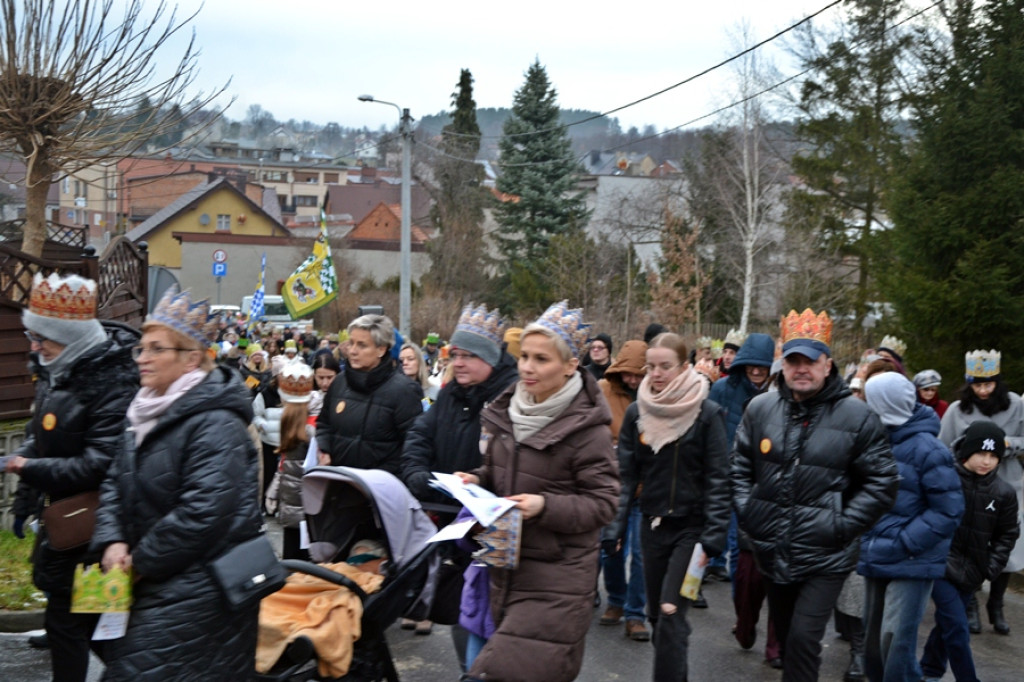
370,406
183,492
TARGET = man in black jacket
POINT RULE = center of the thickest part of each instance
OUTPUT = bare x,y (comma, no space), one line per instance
811,471
446,438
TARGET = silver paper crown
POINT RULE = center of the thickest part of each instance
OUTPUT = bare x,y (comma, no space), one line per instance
704,342
191,318
568,324
482,322
735,338
982,364
893,344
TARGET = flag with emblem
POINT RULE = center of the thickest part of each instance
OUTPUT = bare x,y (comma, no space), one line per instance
256,308
314,283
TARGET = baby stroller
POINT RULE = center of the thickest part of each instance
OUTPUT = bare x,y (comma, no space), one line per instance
343,507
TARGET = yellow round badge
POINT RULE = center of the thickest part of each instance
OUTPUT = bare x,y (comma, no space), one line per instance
643,439
340,408
49,421
766,446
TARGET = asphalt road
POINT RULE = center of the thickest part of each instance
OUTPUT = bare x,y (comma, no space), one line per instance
714,655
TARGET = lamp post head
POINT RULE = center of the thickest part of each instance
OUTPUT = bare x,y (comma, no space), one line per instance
366,98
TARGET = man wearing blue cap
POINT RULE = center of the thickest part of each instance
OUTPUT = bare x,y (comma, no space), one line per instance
811,471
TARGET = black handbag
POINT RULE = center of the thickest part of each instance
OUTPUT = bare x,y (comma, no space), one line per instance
248,572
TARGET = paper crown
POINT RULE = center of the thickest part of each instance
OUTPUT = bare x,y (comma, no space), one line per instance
893,344
478,320
568,324
735,338
191,318
68,298
982,365
717,346
295,382
704,342
807,325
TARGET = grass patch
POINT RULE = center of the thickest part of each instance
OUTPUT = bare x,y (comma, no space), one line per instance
17,593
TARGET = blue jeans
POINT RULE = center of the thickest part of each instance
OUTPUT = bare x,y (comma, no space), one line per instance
732,550
474,643
950,638
893,609
629,596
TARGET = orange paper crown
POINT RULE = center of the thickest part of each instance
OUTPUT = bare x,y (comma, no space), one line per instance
73,298
807,325
295,381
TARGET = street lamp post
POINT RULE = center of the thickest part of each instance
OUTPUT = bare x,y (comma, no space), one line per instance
405,275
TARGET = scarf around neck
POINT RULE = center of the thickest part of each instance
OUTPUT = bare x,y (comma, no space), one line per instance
666,416
148,406
529,417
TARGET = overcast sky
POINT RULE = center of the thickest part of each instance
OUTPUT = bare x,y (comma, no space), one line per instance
311,59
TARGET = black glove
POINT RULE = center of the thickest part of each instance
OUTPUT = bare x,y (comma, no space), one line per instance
611,546
19,527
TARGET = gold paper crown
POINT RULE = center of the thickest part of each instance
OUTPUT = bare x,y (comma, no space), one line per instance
807,325
482,322
893,344
70,298
568,324
182,314
982,364
735,338
704,342
295,380
717,346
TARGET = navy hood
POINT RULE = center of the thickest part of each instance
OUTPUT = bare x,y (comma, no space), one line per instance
758,351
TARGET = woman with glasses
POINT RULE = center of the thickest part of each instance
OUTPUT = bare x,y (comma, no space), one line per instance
182,493
85,380
674,442
370,406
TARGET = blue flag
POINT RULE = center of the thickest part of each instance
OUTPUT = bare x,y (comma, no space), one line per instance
256,309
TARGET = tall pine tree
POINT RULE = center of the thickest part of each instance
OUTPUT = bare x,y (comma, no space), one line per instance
956,273
457,253
538,177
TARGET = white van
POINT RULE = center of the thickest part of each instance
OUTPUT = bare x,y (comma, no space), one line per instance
274,311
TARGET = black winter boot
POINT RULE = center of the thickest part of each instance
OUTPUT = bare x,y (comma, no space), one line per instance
855,671
994,606
973,617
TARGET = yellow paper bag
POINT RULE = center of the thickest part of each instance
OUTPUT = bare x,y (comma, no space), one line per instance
94,591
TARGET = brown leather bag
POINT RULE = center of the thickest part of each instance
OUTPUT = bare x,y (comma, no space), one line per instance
70,522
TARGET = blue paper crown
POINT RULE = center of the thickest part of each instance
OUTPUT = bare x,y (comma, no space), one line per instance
568,324
482,322
191,318
982,365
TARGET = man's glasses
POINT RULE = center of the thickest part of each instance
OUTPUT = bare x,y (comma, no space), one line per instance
139,351
35,338
460,356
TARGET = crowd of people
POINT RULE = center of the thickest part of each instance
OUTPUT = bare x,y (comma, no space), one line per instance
855,495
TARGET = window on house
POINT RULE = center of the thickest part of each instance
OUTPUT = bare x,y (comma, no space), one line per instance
330,178
307,177
223,222
275,176
304,200
67,185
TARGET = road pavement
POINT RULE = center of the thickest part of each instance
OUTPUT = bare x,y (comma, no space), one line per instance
610,657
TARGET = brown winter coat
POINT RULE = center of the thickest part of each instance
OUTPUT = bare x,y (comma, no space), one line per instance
631,358
542,610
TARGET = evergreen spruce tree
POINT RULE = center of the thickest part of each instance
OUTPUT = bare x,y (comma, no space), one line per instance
457,253
956,274
538,175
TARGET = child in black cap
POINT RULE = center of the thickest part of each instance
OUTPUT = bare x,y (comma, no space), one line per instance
981,547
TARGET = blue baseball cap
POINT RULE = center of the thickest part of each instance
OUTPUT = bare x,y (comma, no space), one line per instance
809,348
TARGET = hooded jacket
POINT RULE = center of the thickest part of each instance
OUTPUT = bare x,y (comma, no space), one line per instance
986,535
631,358
184,496
446,438
913,538
74,435
808,478
543,609
366,415
733,392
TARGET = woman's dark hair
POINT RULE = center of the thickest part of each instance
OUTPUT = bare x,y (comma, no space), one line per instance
879,366
326,361
998,401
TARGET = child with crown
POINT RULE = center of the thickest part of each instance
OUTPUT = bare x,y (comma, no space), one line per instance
986,397
546,445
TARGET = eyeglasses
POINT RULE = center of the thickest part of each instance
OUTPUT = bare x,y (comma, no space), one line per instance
460,356
139,351
35,338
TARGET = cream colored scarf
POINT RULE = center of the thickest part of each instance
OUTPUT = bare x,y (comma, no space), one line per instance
147,406
666,416
529,417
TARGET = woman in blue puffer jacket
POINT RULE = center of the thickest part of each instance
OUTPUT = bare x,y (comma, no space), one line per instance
906,550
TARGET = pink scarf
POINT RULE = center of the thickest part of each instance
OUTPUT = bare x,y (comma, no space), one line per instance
666,416
148,405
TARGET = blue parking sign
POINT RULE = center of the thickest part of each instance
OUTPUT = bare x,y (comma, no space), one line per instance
220,269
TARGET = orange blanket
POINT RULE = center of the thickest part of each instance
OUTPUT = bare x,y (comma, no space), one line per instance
326,613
